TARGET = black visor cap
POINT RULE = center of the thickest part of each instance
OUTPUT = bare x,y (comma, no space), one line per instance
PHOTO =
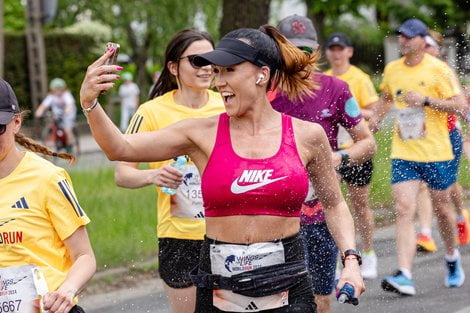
232,51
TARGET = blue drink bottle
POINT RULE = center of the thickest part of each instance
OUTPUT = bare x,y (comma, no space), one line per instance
346,295
178,164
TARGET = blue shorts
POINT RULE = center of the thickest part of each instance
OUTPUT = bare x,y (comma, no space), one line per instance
320,256
457,146
437,175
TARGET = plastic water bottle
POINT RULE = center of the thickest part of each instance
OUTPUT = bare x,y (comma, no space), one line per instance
346,295
178,164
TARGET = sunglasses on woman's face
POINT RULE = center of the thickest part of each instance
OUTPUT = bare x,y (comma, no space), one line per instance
191,58
3,129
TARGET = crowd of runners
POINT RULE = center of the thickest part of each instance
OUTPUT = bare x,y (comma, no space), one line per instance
257,220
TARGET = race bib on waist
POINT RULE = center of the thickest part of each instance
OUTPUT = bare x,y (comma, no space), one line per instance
228,260
411,123
18,289
344,139
187,202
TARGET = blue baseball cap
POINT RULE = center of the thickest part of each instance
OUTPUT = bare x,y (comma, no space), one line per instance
412,28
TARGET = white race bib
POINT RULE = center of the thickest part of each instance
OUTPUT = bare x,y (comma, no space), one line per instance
311,195
228,260
411,123
18,291
344,139
187,202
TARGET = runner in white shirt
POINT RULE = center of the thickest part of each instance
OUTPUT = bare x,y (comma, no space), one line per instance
129,94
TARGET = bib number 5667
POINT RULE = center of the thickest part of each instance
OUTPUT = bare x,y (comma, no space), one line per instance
10,306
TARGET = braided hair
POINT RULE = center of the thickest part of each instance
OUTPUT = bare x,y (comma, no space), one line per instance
33,146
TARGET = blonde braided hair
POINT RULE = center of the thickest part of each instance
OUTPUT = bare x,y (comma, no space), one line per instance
33,146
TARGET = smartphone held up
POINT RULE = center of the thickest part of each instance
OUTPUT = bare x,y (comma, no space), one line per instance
113,58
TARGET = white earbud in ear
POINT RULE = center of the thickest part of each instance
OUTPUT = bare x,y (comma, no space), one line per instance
260,78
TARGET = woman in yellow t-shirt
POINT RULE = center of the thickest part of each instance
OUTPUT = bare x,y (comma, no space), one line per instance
181,92
44,245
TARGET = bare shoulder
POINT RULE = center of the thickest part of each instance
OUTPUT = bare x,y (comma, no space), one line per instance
308,132
201,132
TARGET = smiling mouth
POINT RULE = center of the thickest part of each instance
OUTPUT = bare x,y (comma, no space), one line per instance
227,96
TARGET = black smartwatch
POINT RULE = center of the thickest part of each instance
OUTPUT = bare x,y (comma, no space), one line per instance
345,158
349,252
426,102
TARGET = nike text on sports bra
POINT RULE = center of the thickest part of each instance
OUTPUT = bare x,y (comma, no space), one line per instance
233,185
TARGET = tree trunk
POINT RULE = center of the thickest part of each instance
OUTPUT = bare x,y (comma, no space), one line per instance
244,13
318,21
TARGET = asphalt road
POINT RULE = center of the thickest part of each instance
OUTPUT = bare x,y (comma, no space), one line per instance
429,271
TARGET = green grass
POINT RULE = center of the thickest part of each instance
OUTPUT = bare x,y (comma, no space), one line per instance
122,228
380,194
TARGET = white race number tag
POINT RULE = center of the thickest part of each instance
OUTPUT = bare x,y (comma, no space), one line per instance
411,123
228,260
344,139
187,202
18,291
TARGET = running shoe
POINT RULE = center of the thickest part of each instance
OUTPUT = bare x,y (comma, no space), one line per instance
369,265
455,275
463,229
425,243
399,283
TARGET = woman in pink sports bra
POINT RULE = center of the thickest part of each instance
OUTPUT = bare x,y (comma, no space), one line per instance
256,163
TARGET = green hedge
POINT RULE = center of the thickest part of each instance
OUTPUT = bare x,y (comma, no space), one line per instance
67,56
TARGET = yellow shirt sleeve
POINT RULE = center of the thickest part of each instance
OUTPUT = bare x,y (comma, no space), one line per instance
367,94
62,205
142,121
447,84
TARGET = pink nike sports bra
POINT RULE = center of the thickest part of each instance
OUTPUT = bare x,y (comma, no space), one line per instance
233,185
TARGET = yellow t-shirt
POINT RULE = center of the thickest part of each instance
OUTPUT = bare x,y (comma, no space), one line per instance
360,84
421,134
39,211
180,216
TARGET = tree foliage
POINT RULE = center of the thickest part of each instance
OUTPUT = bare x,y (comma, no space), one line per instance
14,19
438,14
143,28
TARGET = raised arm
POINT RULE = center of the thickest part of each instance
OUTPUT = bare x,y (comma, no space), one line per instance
152,146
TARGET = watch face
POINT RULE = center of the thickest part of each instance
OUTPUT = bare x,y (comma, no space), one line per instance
352,252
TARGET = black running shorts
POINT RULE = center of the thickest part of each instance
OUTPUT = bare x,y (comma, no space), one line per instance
176,258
